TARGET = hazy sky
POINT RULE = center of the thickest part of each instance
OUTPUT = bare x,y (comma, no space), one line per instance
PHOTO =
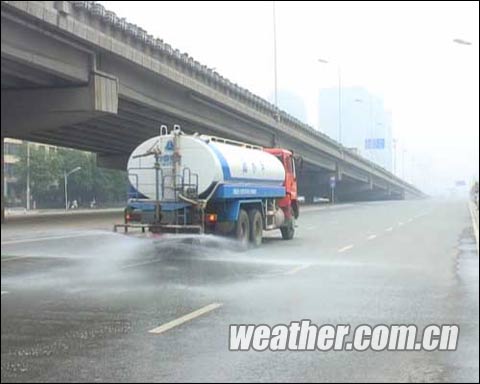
403,52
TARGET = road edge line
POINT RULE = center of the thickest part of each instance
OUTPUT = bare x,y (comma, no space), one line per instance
474,217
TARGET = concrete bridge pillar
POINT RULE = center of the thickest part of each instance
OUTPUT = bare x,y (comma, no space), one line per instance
3,180
118,162
27,111
33,110
313,184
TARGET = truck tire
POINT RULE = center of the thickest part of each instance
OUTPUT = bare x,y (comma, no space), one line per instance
288,231
242,229
256,227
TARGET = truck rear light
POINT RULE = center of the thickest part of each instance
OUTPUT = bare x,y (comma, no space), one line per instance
211,218
128,217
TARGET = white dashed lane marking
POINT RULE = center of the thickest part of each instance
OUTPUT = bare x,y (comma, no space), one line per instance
141,264
184,319
297,269
346,248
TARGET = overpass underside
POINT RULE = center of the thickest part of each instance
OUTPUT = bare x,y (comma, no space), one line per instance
69,78
314,184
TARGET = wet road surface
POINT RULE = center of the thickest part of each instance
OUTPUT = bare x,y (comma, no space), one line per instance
80,303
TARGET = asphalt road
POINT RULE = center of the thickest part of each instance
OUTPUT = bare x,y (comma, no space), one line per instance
78,301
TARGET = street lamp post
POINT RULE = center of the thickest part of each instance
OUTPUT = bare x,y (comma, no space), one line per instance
413,170
28,198
395,157
65,175
339,104
275,54
339,73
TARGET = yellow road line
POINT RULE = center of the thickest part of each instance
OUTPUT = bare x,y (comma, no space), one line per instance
15,258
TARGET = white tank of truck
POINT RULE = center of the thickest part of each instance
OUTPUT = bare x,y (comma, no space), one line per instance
212,159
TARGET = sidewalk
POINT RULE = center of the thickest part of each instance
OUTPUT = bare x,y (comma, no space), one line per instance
323,206
474,214
45,213
14,213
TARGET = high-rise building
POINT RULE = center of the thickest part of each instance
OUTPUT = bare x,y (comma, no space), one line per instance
366,127
291,103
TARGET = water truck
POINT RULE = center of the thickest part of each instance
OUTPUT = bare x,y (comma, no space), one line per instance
183,183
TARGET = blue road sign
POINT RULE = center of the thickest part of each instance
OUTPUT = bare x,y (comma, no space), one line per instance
374,143
332,182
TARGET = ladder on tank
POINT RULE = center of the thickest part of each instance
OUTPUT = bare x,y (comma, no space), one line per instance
186,189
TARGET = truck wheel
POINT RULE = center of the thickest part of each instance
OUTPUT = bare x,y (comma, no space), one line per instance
256,227
242,230
288,231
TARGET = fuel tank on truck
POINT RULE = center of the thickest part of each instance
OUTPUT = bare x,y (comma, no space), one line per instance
213,160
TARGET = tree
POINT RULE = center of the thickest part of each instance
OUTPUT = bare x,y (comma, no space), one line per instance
47,169
44,170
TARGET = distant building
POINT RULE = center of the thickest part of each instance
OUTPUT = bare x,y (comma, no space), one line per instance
11,152
292,104
366,125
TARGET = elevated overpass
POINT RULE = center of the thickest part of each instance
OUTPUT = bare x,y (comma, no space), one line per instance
74,74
